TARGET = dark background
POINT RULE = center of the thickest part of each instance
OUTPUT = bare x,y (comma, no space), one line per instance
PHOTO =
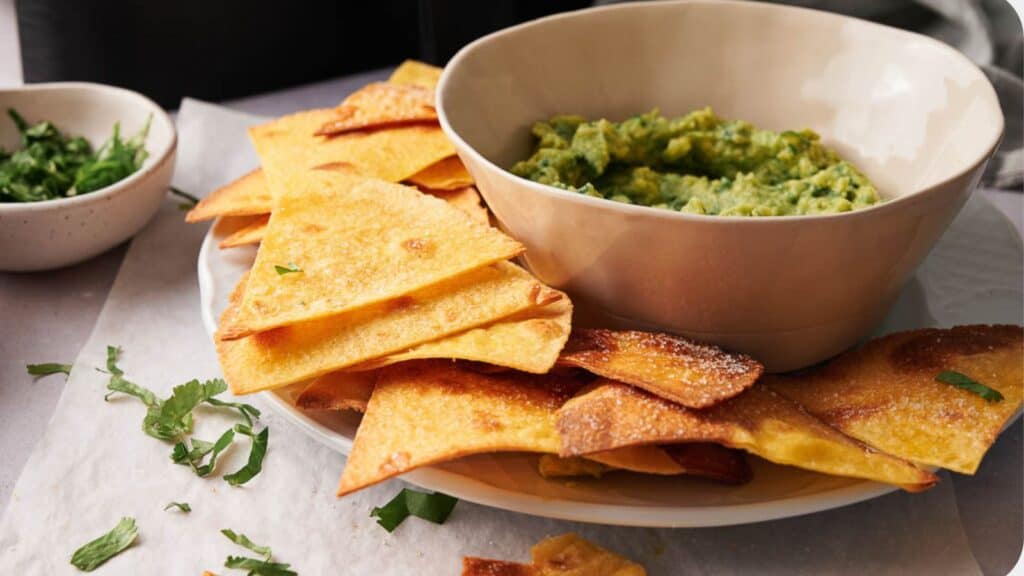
222,49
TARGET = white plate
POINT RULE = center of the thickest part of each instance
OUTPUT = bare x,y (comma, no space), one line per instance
972,276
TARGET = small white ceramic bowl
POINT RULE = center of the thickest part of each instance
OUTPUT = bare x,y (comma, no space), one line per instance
915,115
55,233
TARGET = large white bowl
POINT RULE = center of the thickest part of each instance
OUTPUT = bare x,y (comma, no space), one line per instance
54,233
915,115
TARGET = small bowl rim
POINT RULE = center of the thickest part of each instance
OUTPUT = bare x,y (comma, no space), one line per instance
160,157
890,204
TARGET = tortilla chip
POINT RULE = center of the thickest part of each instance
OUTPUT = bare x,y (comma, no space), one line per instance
304,351
431,412
417,73
448,174
565,555
466,199
885,393
612,415
356,242
289,144
701,459
381,105
554,466
338,391
694,375
251,233
245,196
529,341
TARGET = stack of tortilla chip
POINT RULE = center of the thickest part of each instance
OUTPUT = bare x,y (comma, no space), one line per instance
380,287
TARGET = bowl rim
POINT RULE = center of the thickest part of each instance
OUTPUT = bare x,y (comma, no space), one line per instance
160,156
890,204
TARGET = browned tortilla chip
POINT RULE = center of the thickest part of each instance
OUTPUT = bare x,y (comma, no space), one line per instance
356,242
694,375
381,105
466,199
251,233
289,144
697,459
472,566
565,555
885,393
430,412
338,391
415,72
300,352
245,196
612,415
448,174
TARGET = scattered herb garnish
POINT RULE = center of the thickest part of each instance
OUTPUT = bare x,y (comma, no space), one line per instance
53,165
105,547
255,566
256,454
188,201
183,506
433,507
40,370
248,411
182,454
971,385
290,268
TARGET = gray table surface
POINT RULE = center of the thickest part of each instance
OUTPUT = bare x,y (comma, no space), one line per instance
47,317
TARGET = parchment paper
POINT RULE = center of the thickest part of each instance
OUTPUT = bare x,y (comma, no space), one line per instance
94,464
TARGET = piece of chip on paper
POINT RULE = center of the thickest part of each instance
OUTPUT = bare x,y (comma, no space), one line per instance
246,196
611,415
416,72
448,174
692,374
300,352
886,393
352,242
565,555
424,413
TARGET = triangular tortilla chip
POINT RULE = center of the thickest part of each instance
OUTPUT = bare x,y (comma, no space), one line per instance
289,144
612,415
885,393
356,242
697,459
466,199
448,174
565,555
251,233
431,412
381,105
415,72
292,354
245,196
338,391
694,375
472,566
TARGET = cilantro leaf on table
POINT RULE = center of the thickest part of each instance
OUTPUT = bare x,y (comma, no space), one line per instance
172,418
243,541
183,506
255,464
434,507
182,454
255,566
47,368
248,411
95,553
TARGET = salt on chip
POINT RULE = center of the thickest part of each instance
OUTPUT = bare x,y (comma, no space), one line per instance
448,174
356,242
417,73
338,391
885,393
300,352
289,144
692,374
430,412
612,415
245,196
381,105
251,233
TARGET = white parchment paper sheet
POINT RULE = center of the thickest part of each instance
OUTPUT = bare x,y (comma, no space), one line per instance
94,464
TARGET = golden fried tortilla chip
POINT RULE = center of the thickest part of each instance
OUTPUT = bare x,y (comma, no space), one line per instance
430,412
251,233
448,174
612,415
356,242
299,352
701,459
289,144
885,393
245,196
382,105
565,555
694,375
415,72
338,391
472,566
466,199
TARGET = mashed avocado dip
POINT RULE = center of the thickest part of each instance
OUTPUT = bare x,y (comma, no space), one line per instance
698,163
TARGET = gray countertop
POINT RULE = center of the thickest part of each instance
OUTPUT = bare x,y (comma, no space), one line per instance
48,316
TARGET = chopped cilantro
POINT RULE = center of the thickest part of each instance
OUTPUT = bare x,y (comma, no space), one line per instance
255,566
434,507
90,556
40,370
256,454
183,506
967,383
290,268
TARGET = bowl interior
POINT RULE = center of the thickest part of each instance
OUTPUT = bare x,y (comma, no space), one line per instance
909,111
88,110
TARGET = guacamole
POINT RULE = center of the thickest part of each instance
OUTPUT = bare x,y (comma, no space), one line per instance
698,163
